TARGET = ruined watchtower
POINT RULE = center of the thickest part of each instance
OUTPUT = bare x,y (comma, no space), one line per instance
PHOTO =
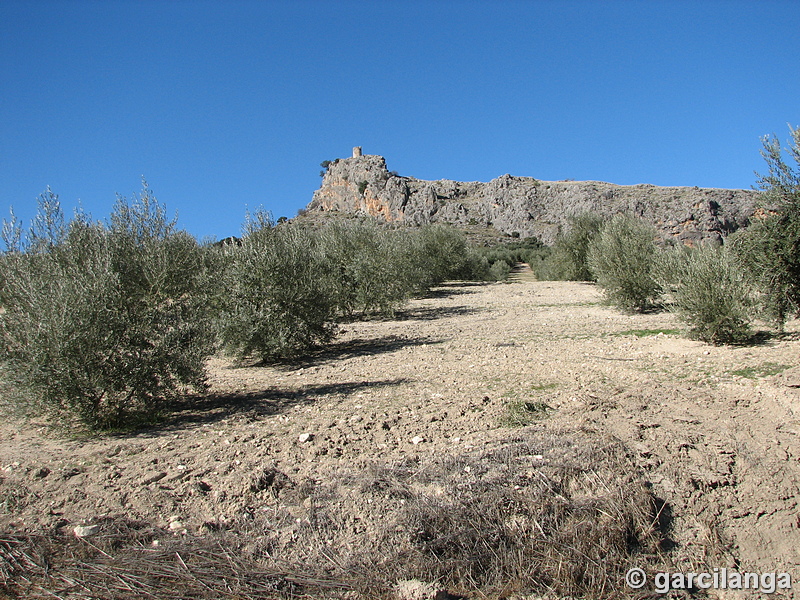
356,151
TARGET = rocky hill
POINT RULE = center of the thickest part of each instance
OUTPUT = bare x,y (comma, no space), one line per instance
524,205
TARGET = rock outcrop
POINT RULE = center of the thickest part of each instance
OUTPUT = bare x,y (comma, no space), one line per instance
527,206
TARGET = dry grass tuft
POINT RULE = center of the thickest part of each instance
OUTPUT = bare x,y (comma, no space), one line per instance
121,562
543,513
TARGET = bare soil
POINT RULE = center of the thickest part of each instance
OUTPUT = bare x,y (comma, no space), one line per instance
713,431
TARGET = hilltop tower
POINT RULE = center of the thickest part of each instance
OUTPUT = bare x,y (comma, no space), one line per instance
356,151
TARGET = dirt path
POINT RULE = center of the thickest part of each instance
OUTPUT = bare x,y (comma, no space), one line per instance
715,430
521,273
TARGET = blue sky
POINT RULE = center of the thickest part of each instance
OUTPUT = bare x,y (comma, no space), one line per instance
228,105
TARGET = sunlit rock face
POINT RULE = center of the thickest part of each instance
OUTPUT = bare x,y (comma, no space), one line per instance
526,206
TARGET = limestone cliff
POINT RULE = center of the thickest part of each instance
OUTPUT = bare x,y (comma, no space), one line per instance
527,206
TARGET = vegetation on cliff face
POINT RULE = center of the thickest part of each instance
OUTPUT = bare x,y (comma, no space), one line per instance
525,206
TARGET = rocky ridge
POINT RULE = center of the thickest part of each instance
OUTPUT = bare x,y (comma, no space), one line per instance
527,206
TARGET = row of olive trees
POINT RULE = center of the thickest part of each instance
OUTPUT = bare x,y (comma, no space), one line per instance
286,287
495,262
111,321
716,291
712,289
706,287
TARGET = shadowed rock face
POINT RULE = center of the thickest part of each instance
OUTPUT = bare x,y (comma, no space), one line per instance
529,207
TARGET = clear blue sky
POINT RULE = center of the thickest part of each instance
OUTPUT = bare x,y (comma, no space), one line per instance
223,105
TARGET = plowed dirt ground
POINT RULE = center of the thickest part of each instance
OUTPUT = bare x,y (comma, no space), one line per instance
714,430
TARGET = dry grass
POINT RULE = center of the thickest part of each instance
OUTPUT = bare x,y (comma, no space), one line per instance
121,562
543,513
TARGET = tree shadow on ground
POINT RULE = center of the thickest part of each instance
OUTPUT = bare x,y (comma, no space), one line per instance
763,337
431,313
210,407
455,288
252,406
345,349
781,336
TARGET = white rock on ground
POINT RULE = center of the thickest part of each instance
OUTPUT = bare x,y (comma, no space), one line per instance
86,530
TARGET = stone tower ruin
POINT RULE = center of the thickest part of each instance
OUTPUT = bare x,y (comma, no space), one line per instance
356,151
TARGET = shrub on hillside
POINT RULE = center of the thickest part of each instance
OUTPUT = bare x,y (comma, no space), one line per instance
435,253
286,287
509,252
546,268
374,269
710,293
476,267
568,259
500,270
536,256
105,322
277,300
770,247
364,266
621,257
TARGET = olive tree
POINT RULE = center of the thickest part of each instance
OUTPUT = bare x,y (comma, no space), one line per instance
621,257
106,322
770,247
